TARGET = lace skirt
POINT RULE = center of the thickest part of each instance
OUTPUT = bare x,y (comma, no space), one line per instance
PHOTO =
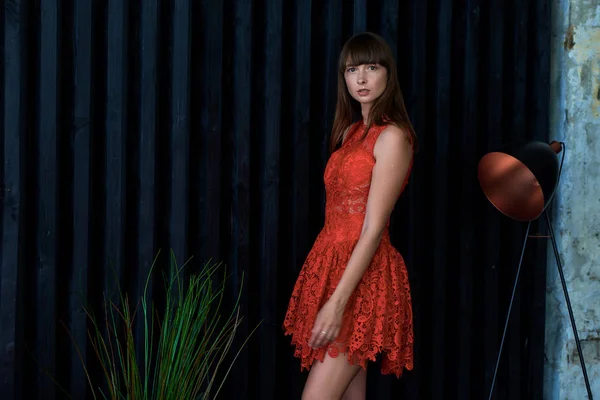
378,316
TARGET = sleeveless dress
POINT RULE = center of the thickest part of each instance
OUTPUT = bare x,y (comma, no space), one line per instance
378,316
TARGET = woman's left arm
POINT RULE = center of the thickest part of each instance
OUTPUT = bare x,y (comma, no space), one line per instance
393,154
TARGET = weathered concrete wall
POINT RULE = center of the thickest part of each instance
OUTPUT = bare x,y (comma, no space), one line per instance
575,119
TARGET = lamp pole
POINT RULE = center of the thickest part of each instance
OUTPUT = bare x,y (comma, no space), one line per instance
509,309
568,301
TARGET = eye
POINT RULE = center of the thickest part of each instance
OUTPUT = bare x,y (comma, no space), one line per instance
351,69
372,67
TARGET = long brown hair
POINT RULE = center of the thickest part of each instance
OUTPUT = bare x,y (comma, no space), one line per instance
389,108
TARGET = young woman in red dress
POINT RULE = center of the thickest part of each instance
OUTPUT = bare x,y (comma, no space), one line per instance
351,302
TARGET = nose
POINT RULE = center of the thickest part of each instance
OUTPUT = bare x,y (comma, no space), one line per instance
361,79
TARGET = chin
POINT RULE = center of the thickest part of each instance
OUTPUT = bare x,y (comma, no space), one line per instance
364,101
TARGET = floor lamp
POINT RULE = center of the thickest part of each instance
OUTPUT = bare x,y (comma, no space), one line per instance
520,181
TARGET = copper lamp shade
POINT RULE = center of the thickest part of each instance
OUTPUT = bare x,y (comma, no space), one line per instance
520,179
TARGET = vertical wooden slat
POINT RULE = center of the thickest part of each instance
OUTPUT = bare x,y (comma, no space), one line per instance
298,181
240,190
10,193
412,61
360,16
540,93
441,109
321,81
82,41
147,81
468,125
301,135
493,115
147,141
210,125
389,24
97,271
333,47
269,184
47,193
516,98
327,25
180,129
539,27
116,136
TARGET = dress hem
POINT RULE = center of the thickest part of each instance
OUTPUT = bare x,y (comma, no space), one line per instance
354,357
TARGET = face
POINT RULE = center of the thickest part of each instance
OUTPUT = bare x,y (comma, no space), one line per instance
365,82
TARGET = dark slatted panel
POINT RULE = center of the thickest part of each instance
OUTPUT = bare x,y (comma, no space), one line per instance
144,149
241,135
413,59
295,189
115,141
360,16
202,127
436,150
208,79
13,128
81,169
464,166
492,89
515,104
269,85
47,223
179,127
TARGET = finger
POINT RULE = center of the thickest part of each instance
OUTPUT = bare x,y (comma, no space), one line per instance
335,333
327,332
324,338
320,339
330,334
316,343
314,338
320,343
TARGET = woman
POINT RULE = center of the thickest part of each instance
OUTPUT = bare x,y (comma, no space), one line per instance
352,301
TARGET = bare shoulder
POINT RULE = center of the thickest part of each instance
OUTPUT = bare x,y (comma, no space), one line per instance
393,141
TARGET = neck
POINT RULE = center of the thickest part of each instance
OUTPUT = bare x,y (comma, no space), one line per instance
365,108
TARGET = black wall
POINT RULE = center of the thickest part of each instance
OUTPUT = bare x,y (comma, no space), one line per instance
202,126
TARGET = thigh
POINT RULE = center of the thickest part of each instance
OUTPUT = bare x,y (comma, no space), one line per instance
328,380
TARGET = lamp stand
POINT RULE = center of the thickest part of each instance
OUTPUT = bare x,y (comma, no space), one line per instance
566,293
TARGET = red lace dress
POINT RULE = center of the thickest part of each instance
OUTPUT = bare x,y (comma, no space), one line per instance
378,316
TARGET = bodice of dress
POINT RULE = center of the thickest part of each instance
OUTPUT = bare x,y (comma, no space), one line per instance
347,182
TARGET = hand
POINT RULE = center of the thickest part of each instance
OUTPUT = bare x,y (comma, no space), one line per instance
327,325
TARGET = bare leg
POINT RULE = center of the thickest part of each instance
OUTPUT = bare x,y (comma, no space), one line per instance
328,380
357,390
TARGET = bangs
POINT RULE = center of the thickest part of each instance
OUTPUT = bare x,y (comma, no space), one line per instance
363,49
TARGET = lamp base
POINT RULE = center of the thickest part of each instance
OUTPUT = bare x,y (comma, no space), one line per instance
568,301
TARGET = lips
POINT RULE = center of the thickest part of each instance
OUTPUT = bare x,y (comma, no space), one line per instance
363,92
